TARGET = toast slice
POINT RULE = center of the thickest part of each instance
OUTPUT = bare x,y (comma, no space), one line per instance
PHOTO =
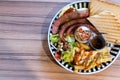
116,2
97,6
106,22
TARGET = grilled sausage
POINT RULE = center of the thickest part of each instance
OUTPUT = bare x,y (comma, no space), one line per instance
68,17
72,29
69,24
84,13
69,11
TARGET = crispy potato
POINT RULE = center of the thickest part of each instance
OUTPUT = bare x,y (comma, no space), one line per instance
85,46
82,45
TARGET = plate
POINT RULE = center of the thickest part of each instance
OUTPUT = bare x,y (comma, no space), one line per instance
114,49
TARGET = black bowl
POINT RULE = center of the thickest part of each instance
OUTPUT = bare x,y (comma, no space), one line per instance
97,42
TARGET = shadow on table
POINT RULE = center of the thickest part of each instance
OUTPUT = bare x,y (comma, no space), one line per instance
45,41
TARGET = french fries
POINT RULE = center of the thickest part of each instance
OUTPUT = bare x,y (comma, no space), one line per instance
89,59
83,46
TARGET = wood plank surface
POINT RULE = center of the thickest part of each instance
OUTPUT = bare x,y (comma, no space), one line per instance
24,52
43,0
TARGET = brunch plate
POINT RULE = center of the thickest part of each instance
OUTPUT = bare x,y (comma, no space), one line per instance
113,49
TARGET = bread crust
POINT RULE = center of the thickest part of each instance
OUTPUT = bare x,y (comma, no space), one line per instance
109,25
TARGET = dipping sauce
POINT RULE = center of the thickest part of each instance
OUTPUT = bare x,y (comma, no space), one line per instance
97,42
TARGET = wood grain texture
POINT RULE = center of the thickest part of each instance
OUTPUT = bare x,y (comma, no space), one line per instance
24,52
43,0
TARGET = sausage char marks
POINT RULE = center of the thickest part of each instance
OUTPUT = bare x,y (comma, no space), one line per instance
68,17
72,29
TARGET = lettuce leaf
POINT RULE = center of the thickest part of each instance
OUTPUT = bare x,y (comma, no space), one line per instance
70,38
55,38
68,55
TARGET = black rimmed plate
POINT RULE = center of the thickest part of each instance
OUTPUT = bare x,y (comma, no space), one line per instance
114,49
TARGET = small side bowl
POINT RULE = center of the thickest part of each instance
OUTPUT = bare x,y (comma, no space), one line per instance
97,42
84,28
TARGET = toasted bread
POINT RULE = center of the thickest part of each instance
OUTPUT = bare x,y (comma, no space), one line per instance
107,22
115,2
97,6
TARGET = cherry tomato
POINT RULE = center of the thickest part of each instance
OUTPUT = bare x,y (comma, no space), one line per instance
80,30
76,56
84,35
57,55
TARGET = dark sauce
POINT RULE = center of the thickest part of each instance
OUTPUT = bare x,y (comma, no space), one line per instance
97,42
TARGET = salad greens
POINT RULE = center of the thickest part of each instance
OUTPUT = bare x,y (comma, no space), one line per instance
70,38
68,55
55,38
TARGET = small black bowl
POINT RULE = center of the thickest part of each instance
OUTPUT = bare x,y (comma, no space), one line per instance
97,42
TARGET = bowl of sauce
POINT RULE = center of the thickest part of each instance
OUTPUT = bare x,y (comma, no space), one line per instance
97,42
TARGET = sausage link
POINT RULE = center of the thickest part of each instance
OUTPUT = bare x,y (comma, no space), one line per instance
68,17
72,29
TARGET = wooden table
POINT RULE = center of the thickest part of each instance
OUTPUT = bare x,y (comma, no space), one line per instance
24,52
